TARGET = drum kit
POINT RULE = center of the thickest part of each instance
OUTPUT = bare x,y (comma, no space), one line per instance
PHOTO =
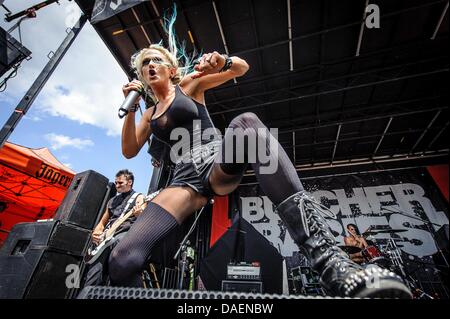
386,256
383,252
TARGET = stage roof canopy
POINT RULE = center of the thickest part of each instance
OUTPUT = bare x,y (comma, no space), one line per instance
338,92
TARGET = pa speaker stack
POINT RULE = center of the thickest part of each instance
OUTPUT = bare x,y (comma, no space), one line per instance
44,259
39,260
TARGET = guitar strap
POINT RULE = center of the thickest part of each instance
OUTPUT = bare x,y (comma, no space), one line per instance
130,201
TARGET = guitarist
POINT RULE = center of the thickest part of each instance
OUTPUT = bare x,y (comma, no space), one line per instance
96,272
125,200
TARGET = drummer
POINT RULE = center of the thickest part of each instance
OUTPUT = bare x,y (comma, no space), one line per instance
355,240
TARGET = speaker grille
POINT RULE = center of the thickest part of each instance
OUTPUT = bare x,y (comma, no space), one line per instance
70,238
100,292
35,258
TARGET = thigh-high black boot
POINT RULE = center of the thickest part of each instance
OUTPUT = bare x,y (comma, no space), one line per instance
340,276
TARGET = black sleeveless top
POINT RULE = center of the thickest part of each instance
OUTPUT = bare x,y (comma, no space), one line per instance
184,113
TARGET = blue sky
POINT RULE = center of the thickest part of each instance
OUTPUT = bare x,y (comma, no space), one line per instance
75,115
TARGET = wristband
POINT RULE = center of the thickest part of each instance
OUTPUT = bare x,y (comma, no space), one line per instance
228,63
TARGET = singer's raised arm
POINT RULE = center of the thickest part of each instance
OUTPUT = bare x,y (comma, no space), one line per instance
134,137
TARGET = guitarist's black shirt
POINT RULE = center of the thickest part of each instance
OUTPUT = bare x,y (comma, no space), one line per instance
116,206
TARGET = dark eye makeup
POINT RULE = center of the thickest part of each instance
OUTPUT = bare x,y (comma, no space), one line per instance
156,60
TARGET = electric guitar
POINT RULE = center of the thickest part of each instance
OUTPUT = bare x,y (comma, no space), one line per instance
107,238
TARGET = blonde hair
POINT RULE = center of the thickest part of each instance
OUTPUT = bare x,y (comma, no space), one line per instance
138,58
173,55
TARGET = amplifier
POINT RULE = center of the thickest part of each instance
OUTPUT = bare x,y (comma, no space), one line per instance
242,286
244,271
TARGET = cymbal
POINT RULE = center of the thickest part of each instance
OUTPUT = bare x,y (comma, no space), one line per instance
384,231
369,233
350,249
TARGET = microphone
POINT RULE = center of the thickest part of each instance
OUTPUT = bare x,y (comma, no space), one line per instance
128,103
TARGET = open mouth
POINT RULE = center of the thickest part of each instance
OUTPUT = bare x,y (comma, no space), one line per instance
152,72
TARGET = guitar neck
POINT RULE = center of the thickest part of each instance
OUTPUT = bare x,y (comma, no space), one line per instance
110,232
119,222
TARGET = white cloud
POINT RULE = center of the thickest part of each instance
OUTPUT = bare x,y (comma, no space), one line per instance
85,87
58,141
68,165
92,82
32,118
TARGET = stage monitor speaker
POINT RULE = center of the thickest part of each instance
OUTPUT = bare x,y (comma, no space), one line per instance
42,260
11,51
84,199
242,243
101,292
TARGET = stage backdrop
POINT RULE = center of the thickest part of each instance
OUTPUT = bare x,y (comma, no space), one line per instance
403,206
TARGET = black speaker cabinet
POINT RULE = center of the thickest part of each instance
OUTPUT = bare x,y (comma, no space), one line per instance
42,260
83,201
11,51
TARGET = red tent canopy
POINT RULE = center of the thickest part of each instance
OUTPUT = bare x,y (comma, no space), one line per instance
32,185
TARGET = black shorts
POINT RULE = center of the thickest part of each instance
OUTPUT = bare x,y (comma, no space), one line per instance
193,170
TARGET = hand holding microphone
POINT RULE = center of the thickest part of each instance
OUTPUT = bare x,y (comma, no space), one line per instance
132,92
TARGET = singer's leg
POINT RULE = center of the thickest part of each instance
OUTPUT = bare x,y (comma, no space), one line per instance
161,216
278,184
302,216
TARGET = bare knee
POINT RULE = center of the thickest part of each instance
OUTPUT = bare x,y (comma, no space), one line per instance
180,202
222,183
247,119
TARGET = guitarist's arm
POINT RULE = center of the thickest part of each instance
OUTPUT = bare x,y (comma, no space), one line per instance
98,230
